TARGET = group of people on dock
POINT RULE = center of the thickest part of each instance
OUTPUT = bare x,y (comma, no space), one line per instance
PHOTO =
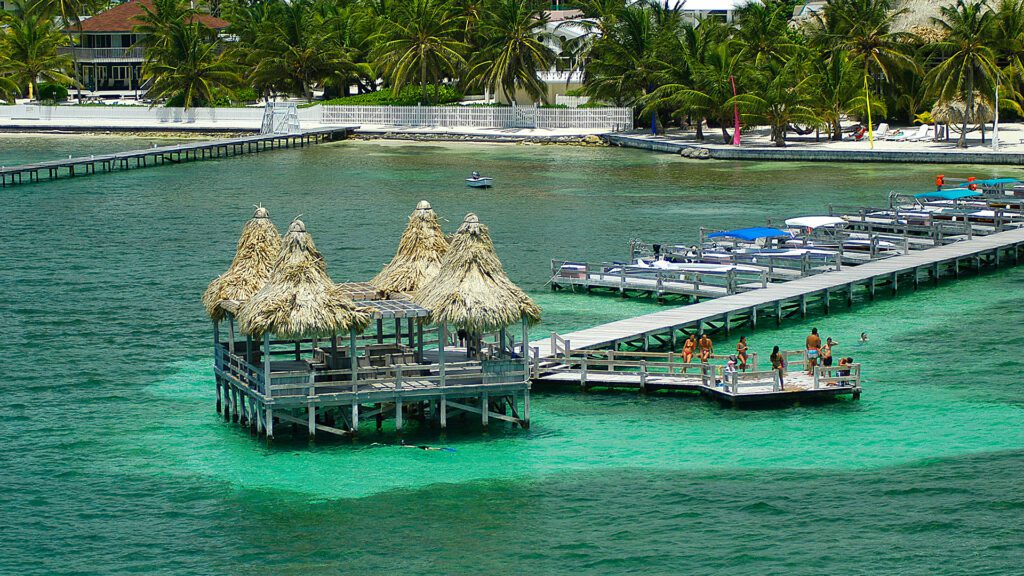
705,349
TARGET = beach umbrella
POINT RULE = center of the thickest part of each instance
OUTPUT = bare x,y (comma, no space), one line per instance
300,300
952,111
257,249
418,258
471,290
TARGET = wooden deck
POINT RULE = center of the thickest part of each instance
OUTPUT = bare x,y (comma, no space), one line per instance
780,300
172,154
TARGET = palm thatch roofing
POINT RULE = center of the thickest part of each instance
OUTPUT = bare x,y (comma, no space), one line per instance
471,290
300,300
952,111
418,258
257,248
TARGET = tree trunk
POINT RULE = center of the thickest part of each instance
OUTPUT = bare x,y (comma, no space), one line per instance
423,81
837,131
700,128
962,142
726,137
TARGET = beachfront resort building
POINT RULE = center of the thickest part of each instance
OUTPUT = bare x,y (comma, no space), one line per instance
108,59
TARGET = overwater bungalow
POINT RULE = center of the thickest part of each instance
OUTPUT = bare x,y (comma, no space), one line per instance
301,350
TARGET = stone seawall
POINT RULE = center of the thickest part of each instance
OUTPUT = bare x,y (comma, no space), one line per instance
821,155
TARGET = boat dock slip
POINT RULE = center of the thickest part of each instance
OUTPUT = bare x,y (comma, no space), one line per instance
172,154
781,300
653,372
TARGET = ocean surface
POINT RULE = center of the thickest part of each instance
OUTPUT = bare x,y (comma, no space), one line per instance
114,460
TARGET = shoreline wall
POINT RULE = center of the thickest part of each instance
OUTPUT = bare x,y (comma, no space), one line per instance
820,155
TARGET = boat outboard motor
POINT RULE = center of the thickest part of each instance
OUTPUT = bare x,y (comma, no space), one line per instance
657,249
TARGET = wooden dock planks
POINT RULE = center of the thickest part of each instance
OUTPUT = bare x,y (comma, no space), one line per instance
786,293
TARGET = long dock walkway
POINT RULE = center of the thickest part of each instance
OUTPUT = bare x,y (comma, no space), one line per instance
787,299
172,154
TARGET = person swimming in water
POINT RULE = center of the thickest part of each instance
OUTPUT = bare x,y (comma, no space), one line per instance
863,336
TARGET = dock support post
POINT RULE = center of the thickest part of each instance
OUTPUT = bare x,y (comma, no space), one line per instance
726,321
827,300
753,317
312,418
871,289
444,413
895,283
643,376
485,410
526,409
849,295
803,305
398,398
917,277
268,423
778,312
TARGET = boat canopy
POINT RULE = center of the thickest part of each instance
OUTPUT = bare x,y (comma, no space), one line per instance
751,234
815,222
996,181
948,194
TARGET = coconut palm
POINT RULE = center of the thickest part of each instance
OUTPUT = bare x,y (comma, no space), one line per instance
418,41
298,51
969,63
29,43
782,94
839,91
624,65
157,20
763,30
187,64
513,50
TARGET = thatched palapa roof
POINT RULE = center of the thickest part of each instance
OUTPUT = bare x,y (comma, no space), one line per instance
952,111
471,290
418,258
257,249
300,300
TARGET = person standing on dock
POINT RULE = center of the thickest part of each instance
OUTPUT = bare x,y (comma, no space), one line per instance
939,181
688,347
826,352
707,348
778,365
813,351
741,353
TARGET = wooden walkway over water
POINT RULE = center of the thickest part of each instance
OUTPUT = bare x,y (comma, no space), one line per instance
172,154
782,300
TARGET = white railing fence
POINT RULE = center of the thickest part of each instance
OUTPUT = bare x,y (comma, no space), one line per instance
612,119
571,101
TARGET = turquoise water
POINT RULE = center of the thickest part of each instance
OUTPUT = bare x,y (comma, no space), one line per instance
115,461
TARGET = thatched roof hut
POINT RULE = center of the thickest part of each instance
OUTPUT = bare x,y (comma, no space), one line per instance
300,300
471,290
418,258
257,249
952,111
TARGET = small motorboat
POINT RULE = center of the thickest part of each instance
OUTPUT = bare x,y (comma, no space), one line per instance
475,180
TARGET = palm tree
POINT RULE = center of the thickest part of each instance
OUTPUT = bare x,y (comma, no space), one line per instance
782,95
186,64
513,50
624,64
298,51
419,41
707,92
763,29
969,63
839,85
155,23
30,45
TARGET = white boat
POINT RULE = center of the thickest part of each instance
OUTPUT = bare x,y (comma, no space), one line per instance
475,180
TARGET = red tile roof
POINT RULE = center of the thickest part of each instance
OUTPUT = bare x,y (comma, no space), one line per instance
123,18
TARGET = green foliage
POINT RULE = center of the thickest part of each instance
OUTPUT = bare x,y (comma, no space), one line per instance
53,92
409,96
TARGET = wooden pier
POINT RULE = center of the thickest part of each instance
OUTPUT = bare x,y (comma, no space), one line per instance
778,301
666,372
172,154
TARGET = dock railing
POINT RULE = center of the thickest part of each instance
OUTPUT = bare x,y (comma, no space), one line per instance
661,281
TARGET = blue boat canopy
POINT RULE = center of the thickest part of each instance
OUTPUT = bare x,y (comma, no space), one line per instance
948,194
751,234
996,181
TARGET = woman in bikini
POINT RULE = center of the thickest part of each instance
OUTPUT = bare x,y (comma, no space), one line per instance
741,353
688,347
706,349
778,365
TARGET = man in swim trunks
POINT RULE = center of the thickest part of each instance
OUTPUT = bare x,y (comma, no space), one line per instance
688,347
813,345
707,348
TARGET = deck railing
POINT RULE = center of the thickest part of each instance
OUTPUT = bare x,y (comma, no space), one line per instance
626,277
608,119
92,54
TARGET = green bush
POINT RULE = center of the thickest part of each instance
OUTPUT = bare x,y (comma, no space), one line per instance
51,92
409,96
246,95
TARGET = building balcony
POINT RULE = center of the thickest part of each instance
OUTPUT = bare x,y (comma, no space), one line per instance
103,54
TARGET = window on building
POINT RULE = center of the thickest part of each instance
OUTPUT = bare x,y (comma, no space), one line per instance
120,72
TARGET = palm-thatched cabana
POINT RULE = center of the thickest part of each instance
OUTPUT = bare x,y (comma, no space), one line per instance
952,111
418,258
299,299
257,249
472,291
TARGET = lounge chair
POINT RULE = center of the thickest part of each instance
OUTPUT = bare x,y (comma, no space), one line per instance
924,132
882,131
897,136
